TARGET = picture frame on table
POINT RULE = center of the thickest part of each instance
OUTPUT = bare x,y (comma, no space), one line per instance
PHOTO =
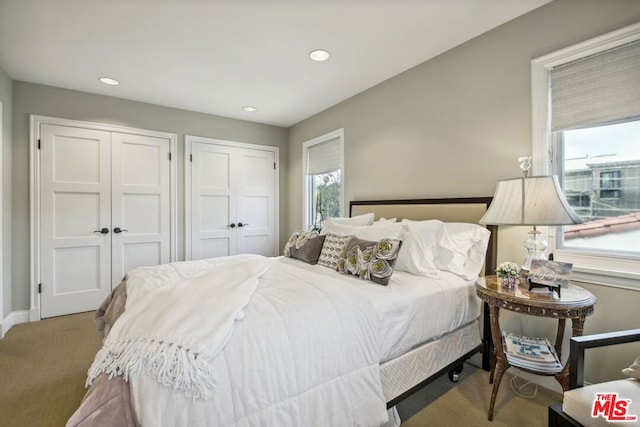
552,275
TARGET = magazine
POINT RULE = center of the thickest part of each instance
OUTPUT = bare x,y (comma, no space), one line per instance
553,275
531,353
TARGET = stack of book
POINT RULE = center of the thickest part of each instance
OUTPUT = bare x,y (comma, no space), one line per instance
531,353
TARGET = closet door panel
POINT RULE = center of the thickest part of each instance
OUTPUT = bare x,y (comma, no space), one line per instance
213,208
255,177
75,203
140,254
141,202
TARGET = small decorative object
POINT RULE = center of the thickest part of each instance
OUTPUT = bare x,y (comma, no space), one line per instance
552,275
509,274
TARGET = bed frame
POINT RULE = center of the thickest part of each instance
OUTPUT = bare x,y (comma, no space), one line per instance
469,209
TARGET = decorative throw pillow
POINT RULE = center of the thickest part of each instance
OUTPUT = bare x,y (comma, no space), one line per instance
370,260
633,371
305,246
332,250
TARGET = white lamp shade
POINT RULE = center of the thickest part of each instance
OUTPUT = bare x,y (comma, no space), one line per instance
536,200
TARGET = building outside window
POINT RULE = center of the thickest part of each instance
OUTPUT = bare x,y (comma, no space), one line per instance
323,178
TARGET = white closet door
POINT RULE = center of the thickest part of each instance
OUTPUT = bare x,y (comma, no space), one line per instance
255,175
141,202
213,205
75,203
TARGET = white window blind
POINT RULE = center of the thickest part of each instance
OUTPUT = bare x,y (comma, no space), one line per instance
324,157
597,89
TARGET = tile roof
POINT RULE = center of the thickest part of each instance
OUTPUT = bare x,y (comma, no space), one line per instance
614,224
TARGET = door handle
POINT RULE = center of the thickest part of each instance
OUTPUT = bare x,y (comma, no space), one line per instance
103,230
242,225
232,225
118,230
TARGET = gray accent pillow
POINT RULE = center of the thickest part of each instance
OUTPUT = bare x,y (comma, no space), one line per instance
305,246
370,260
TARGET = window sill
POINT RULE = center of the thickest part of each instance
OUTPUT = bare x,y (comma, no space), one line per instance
602,269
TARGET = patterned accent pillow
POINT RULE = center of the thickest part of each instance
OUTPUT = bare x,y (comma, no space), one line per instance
370,260
333,250
305,246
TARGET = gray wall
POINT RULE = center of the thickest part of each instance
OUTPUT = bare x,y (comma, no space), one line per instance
456,124
31,98
6,97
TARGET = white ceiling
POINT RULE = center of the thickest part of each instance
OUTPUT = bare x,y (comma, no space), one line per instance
216,56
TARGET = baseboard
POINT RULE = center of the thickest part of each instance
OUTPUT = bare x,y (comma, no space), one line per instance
14,318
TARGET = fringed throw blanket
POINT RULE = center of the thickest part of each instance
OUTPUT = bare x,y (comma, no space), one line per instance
176,343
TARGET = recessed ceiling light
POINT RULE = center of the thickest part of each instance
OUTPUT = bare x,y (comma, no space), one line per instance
249,108
109,81
319,55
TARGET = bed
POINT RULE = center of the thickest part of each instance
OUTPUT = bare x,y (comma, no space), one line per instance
345,353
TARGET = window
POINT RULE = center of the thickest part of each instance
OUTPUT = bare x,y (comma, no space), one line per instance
610,186
323,181
600,170
586,129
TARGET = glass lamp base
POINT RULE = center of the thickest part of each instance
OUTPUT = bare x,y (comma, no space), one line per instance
535,246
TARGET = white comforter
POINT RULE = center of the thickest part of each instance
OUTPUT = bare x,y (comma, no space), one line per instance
306,353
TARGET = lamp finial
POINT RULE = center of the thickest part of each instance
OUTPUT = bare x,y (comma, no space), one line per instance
525,165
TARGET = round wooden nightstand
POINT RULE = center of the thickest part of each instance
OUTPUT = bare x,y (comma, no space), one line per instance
576,304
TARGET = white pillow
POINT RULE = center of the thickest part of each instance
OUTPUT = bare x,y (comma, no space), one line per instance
384,220
418,251
374,232
462,248
364,219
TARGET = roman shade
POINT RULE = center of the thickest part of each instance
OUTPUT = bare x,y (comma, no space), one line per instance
601,88
324,157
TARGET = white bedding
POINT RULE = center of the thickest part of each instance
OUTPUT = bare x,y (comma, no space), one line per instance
330,335
412,309
305,354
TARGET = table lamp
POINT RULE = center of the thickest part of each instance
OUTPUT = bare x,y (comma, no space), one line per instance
535,200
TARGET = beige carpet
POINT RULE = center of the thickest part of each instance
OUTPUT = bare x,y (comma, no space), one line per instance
465,403
43,368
